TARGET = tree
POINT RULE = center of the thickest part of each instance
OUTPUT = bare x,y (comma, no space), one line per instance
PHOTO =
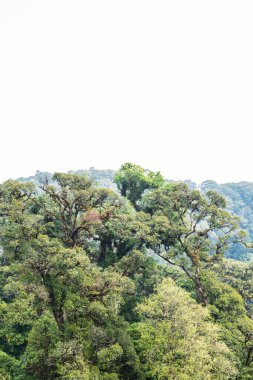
175,339
133,180
190,230
72,207
239,275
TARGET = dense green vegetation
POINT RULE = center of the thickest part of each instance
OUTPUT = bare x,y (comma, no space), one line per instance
239,199
134,284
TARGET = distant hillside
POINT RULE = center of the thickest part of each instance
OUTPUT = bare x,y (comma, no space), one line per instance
104,178
240,202
239,196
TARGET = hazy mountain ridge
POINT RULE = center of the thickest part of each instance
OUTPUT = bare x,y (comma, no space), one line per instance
104,178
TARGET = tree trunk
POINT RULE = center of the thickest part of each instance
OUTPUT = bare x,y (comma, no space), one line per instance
200,291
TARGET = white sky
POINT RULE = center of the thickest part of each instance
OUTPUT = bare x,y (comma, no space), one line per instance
164,84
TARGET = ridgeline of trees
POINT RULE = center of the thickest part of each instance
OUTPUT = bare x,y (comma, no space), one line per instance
239,199
133,284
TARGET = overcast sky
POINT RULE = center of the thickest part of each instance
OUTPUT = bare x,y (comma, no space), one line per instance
164,84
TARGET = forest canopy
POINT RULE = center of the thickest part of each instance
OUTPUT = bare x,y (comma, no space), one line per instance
133,283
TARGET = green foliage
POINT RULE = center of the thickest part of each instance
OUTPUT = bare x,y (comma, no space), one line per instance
239,198
40,351
175,339
86,289
109,357
240,276
10,368
133,180
190,230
